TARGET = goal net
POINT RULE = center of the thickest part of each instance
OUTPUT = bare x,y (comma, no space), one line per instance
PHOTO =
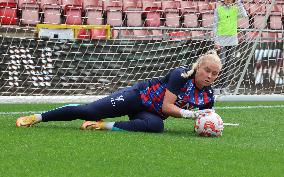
78,62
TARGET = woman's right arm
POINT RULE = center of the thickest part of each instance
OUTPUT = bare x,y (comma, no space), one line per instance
169,108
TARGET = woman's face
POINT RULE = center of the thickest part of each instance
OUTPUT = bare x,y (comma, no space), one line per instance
206,73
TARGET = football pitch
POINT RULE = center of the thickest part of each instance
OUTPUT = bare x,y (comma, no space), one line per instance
254,148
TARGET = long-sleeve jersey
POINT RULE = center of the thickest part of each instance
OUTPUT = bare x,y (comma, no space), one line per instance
152,92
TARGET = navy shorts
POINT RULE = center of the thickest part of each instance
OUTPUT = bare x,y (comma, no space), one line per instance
123,102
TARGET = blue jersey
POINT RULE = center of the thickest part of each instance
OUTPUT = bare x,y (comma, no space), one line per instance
152,92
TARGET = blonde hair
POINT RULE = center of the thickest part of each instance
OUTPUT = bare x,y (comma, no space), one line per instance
209,55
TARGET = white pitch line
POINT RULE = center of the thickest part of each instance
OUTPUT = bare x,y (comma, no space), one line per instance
218,107
230,124
16,113
249,107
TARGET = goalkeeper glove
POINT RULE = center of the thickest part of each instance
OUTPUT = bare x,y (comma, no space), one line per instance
194,114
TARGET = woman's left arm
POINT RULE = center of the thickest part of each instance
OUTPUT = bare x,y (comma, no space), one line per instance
241,10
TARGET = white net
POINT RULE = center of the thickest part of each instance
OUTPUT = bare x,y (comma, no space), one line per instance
148,39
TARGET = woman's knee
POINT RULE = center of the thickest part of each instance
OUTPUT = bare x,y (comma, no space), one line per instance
156,125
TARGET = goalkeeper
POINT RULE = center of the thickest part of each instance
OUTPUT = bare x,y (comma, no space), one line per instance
147,103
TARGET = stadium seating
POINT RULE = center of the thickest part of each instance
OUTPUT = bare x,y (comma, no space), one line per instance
197,34
251,35
94,16
152,14
171,13
113,9
72,11
276,16
189,12
30,12
141,34
83,34
179,35
157,34
133,12
93,12
8,12
243,23
51,10
269,37
258,12
98,34
138,13
206,10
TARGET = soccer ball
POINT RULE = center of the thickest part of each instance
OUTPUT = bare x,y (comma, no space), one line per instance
209,125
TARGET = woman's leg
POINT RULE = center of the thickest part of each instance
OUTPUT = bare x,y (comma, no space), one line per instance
223,73
143,122
120,103
231,64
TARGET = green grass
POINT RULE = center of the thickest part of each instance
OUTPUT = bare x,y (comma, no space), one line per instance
255,148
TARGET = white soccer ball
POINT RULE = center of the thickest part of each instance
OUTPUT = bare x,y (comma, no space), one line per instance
209,125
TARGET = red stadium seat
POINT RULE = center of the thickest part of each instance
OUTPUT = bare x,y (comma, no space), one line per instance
206,10
197,34
252,35
72,11
113,10
30,12
151,11
280,37
125,34
171,13
133,34
262,1
179,35
141,34
241,36
157,34
189,11
83,34
133,12
51,10
93,12
8,12
269,37
22,3
98,34
258,12
276,16
243,23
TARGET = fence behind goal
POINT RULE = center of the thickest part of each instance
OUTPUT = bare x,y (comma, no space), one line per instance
68,67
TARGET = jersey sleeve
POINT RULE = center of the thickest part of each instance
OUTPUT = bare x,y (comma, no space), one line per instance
176,81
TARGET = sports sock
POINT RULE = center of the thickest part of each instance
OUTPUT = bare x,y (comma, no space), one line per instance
38,117
107,125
